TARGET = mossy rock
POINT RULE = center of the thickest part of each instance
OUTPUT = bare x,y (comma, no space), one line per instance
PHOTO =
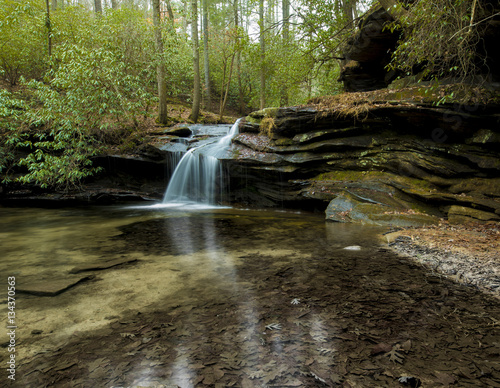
463,215
350,208
179,131
485,136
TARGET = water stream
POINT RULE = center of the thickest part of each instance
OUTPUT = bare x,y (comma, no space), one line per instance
226,297
199,176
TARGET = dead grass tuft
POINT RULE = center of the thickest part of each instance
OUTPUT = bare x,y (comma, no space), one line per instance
357,105
267,125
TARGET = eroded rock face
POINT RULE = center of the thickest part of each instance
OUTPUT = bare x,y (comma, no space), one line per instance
399,164
368,52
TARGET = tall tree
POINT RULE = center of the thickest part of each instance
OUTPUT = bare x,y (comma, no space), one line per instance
49,28
170,11
114,4
160,69
54,5
238,56
98,7
185,20
286,41
262,55
349,8
286,20
208,101
196,61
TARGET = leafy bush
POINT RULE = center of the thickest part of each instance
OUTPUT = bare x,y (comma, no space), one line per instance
23,44
11,114
87,95
440,37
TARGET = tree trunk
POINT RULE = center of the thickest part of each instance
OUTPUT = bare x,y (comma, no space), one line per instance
196,61
170,11
286,20
286,39
54,5
225,90
98,7
208,100
185,19
160,69
49,29
238,58
348,9
262,56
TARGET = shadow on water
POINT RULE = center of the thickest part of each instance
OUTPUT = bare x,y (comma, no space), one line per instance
224,297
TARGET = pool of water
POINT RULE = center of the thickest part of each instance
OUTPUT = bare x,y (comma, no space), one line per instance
211,296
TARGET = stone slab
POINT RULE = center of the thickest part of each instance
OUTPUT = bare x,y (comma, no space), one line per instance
102,265
51,287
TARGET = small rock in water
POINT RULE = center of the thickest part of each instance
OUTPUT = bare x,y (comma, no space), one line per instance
353,248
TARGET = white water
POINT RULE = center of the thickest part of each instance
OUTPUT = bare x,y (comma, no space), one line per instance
199,177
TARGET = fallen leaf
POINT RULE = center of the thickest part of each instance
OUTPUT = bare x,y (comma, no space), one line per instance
273,326
395,355
445,378
381,348
406,346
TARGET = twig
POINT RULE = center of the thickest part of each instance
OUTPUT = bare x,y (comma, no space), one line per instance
472,25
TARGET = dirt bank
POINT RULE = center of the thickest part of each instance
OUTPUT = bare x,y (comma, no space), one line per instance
469,254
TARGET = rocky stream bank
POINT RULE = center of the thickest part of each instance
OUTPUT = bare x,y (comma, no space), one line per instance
390,159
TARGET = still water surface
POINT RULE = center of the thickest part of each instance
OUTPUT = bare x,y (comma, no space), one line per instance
226,297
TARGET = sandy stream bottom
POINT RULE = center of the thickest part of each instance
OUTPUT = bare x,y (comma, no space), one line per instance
236,298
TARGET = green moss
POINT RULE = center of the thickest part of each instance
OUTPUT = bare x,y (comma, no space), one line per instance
353,176
346,175
267,112
252,120
284,141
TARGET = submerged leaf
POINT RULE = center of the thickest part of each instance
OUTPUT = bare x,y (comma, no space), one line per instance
395,355
273,326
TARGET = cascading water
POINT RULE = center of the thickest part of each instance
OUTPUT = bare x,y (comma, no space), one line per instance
199,177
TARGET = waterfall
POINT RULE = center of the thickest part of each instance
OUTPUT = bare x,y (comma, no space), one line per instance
199,176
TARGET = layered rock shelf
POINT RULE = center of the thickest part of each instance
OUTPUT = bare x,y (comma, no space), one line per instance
386,162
